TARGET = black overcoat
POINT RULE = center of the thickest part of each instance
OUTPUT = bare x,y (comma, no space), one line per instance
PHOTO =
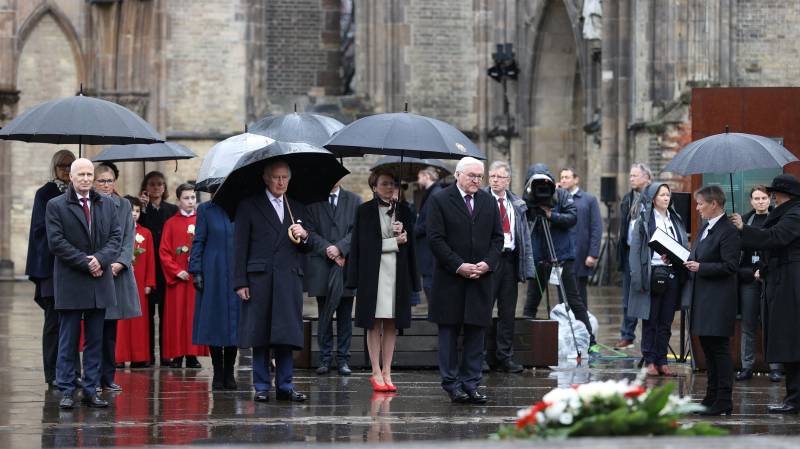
39,263
780,237
328,226
71,242
153,219
363,266
713,291
267,262
424,255
456,237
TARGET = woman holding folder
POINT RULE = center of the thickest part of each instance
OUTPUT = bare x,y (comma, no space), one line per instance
655,282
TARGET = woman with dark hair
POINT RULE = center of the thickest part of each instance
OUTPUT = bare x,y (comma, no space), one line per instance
655,284
39,263
712,296
382,266
155,211
176,245
127,295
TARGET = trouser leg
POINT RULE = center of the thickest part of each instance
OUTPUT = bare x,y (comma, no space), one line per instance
505,295
666,313
573,297
262,379
93,324
750,297
68,334
448,357
471,358
627,330
284,367
536,289
324,339
583,281
49,338
344,329
109,363
792,371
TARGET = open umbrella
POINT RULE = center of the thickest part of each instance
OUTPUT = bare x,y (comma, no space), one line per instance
314,172
409,166
165,151
222,157
314,129
727,153
80,120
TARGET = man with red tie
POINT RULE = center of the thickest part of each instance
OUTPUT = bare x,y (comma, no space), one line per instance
516,262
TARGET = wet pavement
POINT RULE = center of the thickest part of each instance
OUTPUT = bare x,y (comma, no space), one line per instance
176,407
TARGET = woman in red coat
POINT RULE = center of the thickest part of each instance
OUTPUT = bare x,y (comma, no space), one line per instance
133,335
176,245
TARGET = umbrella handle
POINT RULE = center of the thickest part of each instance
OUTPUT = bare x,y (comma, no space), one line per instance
295,240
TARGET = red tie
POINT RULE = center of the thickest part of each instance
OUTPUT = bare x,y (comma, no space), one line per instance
503,212
85,202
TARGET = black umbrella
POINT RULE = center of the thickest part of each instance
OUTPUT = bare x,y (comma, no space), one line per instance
409,166
335,289
80,120
402,134
314,173
222,157
728,153
314,129
165,151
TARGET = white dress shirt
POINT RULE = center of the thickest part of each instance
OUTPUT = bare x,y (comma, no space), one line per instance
711,224
665,224
277,204
508,239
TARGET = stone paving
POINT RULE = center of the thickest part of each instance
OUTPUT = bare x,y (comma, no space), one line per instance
175,407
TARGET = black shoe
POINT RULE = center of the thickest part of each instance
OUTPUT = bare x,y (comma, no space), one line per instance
745,374
217,383
139,365
291,395
230,383
458,396
775,375
94,401
120,365
261,396
323,369
116,388
177,362
166,362
485,367
192,362
708,401
67,403
717,409
345,370
476,397
784,409
510,366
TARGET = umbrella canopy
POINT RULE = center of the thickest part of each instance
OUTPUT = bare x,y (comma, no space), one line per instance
314,129
314,173
223,156
402,134
728,153
80,120
165,151
408,167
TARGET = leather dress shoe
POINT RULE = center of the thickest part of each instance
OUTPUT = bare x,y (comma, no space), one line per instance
94,401
476,397
708,401
291,395
785,409
510,366
745,374
485,367
624,344
323,369
192,362
717,409
261,396
113,387
67,403
344,370
139,365
775,375
458,396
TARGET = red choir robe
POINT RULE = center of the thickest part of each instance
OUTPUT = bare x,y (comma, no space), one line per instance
133,335
176,246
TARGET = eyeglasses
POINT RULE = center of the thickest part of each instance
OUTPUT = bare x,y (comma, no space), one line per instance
473,178
104,181
498,177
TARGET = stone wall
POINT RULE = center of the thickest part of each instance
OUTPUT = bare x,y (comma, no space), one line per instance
767,50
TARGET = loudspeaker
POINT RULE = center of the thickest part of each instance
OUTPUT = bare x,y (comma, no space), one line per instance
608,189
682,202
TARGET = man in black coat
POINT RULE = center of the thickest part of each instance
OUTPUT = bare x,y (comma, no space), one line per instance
429,180
466,238
268,277
330,226
84,235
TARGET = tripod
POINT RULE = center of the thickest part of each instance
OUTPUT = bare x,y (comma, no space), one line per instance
541,220
603,269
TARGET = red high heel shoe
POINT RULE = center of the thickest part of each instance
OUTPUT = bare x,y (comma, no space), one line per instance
390,387
376,386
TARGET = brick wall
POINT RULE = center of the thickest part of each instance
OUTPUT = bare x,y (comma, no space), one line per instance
767,53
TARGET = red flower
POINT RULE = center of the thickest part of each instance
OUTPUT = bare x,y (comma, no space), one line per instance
530,417
635,392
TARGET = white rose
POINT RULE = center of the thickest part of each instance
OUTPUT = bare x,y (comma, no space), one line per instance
190,229
565,419
139,238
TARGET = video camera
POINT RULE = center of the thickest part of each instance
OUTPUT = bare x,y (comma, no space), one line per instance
540,191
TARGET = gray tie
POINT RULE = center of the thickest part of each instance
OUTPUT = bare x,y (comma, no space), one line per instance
279,208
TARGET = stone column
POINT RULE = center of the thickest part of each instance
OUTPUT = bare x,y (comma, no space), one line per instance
8,108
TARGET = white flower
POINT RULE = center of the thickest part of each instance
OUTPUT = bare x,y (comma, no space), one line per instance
566,419
190,229
554,412
524,412
139,238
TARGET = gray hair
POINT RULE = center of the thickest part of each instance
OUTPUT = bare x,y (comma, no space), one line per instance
500,164
431,172
643,168
278,163
465,161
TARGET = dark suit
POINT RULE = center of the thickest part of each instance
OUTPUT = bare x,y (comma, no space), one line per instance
77,293
424,256
457,237
270,265
712,294
588,232
328,225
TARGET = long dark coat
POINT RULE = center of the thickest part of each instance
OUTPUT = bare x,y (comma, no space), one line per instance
127,293
713,291
455,238
39,263
70,241
267,262
588,231
153,219
328,227
363,266
424,255
216,306
780,237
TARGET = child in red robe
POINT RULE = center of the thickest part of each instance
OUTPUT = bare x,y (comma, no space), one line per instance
133,335
176,245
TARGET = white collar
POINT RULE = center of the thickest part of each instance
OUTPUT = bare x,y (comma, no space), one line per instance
713,221
497,197
336,192
186,214
575,190
80,197
273,197
463,193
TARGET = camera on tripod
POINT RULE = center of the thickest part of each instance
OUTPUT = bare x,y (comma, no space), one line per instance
540,191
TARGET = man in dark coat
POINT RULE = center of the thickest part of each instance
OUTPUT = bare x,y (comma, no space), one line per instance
330,226
268,277
429,180
466,238
630,207
588,231
84,235
780,237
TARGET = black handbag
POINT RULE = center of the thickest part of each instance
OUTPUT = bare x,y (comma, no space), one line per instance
659,279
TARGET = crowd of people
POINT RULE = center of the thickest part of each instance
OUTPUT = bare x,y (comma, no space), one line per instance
113,262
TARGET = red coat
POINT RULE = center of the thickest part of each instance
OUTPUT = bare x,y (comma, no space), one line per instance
176,245
133,335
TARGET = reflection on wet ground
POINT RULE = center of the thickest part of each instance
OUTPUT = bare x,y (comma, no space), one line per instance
175,407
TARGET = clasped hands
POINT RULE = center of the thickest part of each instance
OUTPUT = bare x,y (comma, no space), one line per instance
94,266
473,271
335,255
